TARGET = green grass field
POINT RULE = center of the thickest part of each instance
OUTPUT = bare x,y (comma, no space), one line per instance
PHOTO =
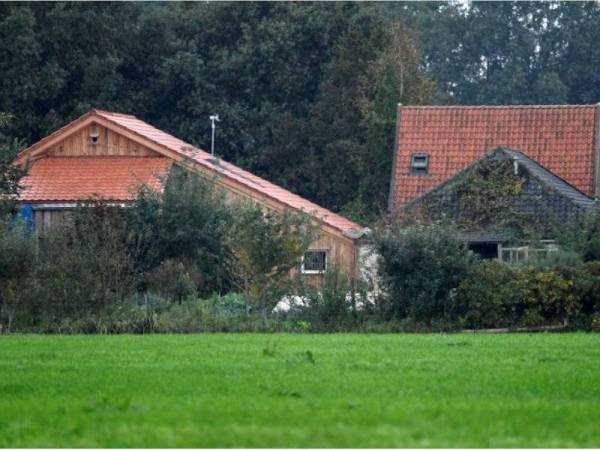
300,390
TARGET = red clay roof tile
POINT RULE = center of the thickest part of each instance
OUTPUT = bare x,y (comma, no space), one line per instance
560,138
72,179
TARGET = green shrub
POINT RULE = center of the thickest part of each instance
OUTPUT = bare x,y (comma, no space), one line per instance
86,266
421,267
190,221
554,260
18,259
266,246
486,297
586,288
547,297
496,295
186,317
328,305
174,279
333,300
582,235
230,304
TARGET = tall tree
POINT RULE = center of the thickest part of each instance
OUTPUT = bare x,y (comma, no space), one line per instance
511,52
10,175
350,131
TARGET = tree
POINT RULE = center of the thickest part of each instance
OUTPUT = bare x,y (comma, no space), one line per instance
17,249
17,263
268,69
510,52
186,224
350,133
10,175
267,245
86,265
421,267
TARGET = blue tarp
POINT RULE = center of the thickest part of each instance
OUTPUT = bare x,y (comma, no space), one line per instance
27,216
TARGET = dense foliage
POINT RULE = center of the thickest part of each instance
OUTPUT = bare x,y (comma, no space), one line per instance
495,295
105,266
187,226
510,52
307,92
9,175
431,279
266,247
421,266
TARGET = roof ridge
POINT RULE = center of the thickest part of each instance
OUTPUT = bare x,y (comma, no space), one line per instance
114,113
138,157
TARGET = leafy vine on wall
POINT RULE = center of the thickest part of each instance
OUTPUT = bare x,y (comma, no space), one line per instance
482,199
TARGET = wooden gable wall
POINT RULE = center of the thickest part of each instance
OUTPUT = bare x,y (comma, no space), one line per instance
108,143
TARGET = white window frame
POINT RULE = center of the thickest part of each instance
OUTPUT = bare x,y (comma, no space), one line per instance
514,254
524,252
313,272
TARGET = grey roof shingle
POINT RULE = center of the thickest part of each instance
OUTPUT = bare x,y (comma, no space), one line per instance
550,179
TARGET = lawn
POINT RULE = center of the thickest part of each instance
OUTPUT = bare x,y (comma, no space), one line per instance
300,390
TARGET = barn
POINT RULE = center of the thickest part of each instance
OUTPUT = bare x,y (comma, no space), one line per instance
108,156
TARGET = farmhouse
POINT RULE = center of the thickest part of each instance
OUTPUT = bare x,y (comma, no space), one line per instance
494,169
108,156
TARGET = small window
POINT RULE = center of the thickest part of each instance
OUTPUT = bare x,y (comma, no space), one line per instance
314,261
419,164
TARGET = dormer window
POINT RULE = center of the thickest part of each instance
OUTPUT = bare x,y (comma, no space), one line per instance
419,164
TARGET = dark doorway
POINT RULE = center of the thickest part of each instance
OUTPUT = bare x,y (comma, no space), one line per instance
485,250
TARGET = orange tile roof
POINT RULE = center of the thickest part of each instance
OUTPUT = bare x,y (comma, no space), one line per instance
249,180
560,138
113,178
144,130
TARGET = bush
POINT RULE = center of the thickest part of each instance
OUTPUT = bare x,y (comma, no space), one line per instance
328,306
188,223
267,246
555,260
175,279
586,288
421,266
485,298
18,259
582,235
86,266
496,295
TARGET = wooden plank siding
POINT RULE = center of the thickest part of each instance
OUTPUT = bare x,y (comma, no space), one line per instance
108,143
46,220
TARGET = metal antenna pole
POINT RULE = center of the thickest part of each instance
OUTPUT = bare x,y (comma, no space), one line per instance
214,118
